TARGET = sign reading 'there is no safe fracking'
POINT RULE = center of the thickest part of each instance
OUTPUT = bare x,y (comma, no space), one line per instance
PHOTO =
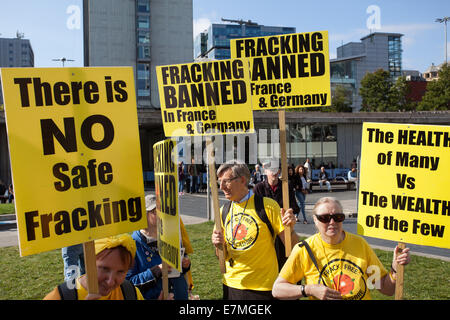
405,183
75,154
288,70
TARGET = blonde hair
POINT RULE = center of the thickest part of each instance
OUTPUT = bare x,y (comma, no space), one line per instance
324,200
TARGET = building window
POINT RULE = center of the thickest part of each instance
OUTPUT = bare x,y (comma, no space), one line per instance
143,22
395,56
143,52
143,6
143,79
143,37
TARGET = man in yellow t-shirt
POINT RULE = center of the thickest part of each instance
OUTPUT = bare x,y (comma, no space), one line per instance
251,262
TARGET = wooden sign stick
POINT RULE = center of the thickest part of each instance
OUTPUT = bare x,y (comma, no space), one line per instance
91,266
284,178
215,199
400,273
165,280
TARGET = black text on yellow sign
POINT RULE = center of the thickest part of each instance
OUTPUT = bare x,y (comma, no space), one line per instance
404,183
166,190
77,187
287,71
205,98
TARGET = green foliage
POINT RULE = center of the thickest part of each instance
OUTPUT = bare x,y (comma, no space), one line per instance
341,100
437,96
7,208
380,93
375,90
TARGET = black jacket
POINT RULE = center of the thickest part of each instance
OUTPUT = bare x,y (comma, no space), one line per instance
263,189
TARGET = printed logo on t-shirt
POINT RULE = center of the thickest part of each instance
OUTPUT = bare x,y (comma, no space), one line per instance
242,231
346,277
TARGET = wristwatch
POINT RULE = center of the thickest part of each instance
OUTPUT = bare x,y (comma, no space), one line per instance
302,288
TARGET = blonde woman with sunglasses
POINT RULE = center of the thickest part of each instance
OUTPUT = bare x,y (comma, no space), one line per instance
334,264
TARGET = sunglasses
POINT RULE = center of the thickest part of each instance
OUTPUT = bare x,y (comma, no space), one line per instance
326,218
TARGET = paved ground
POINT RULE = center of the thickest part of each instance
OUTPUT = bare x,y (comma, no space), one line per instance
194,210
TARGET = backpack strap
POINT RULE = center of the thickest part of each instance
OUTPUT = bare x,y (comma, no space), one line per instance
225,209
259,207
128,290
66,293
310,253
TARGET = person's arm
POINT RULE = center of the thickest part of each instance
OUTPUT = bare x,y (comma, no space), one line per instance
282,289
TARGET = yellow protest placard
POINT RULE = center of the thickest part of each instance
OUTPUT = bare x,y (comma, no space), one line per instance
404,183
287,71
205,98
166,189
75,154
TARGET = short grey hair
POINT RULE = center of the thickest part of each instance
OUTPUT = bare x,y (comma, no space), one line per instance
327,200
238,168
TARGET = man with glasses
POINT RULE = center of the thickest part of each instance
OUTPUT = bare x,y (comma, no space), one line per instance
335,264
251,262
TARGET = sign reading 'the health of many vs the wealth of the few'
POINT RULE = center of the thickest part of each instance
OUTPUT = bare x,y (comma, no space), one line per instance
75,154
405,183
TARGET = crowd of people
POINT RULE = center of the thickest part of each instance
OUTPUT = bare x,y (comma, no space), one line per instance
331,264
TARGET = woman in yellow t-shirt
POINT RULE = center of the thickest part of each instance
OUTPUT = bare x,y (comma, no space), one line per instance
345,266
114,256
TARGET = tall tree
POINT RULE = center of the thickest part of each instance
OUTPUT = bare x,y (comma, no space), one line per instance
437,96
341,100
375,91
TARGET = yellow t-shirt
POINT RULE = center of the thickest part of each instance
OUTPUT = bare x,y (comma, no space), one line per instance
116,294
343,267
250,246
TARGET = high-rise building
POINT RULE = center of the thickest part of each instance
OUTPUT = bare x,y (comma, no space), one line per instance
214,43
355,59
15,53
141,34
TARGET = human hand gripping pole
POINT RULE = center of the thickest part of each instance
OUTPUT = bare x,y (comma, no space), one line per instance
400,259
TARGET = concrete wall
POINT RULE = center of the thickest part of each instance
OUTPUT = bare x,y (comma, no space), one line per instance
112,37
171,37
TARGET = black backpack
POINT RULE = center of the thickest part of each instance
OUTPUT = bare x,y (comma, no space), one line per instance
66,293
259,207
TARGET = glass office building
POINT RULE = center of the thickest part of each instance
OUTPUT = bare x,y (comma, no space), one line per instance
354,60
214,43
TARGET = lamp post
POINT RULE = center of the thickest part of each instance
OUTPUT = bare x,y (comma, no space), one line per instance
444,20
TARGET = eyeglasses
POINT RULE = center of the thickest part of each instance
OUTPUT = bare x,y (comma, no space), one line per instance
326,218
226,181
